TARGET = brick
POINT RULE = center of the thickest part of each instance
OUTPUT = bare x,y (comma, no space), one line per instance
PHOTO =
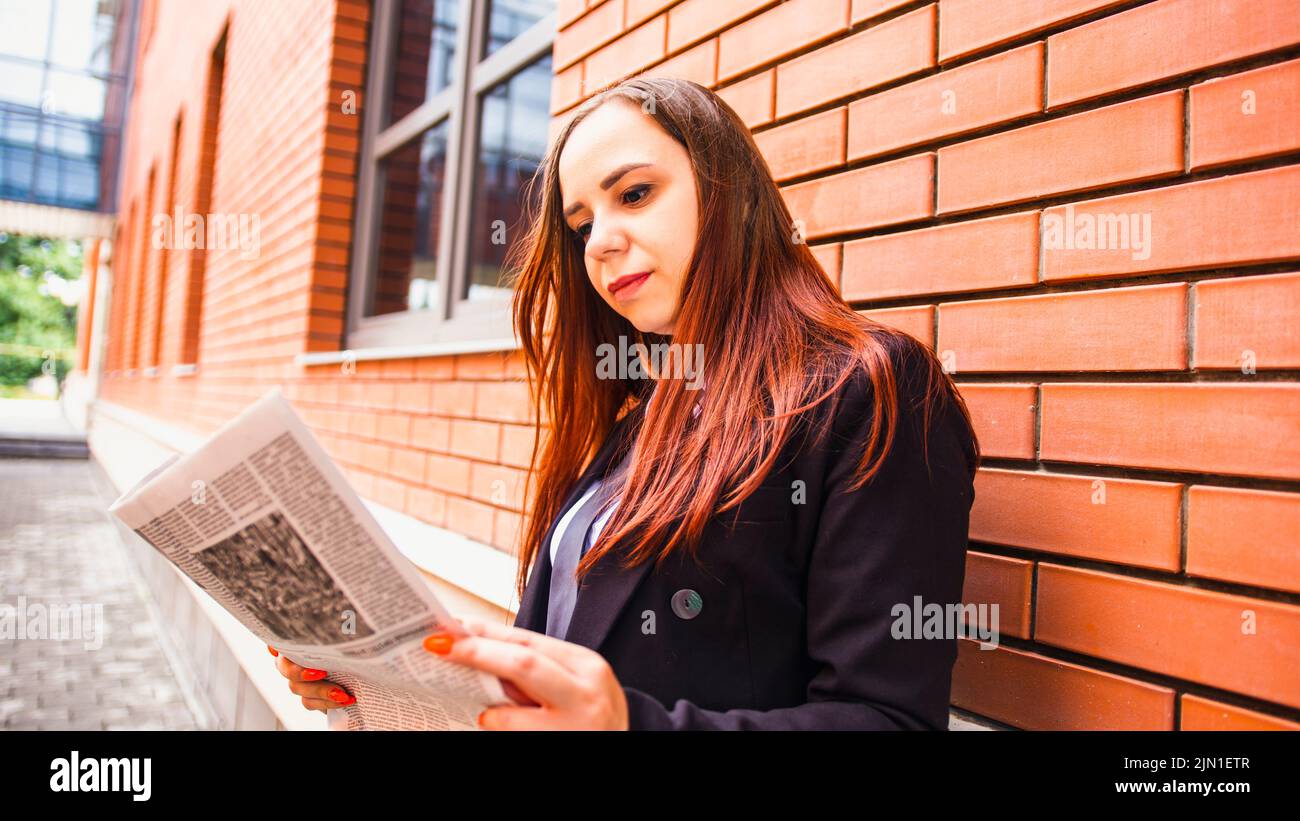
435,367
639,11
1232,429
693,20
641,47
406,464
453,399
1125,521
779,32
389,493
503,402
1204,714
699,65
592,30
431,433
974,255
394,428
426,505
892,50
362,423
567,88
517,445
1253,217
1116,52
476,440
893,192
1246,322
1246,116
1003,416
413,397
1244,536
1034,692
1003,581
1192,634
828,255
470,518
998,89
1120,329
448,474
967,26
569,10
486,365
506,531
497,485
1074,153
804,146
916,321
752,99
866,9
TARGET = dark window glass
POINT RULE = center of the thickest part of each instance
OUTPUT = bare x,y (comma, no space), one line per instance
411,197
424,55
79,183
507,19
512,140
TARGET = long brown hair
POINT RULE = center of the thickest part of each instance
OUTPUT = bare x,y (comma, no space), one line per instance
778,339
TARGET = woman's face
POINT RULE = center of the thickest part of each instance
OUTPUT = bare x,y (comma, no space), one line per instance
628,191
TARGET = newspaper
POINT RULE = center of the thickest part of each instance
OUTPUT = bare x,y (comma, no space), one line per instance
263,520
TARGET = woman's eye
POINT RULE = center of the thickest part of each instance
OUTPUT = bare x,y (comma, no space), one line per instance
643,190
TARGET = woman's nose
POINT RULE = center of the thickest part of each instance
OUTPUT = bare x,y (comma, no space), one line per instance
606,236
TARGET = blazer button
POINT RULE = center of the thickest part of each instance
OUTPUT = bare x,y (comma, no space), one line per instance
687,604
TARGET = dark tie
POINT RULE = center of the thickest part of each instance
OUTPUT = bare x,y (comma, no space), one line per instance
570,550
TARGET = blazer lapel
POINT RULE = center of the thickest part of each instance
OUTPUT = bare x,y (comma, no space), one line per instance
533,606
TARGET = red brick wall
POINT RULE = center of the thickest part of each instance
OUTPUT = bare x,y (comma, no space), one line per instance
1142,487
1140,499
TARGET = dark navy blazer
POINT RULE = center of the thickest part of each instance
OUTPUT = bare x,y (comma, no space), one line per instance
795,600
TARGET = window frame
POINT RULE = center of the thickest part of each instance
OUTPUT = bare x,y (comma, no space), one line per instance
460,104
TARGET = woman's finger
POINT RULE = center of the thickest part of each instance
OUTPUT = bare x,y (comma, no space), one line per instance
322,690
322,705
296,672
574,657
540,677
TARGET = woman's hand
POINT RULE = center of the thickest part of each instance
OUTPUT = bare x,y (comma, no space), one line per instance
316,694
572,687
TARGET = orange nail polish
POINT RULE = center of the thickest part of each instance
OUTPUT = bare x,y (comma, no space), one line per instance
313,675
439,643
480,720
341,697
273,651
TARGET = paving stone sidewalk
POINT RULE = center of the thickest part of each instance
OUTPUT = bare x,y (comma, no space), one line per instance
58,547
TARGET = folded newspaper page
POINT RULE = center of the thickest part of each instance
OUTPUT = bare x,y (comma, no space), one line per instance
265,522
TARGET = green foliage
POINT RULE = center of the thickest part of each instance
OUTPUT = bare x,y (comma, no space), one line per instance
34,273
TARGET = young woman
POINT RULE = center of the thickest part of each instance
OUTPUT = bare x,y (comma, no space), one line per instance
734,556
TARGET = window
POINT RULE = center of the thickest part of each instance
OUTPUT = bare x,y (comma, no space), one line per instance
460,95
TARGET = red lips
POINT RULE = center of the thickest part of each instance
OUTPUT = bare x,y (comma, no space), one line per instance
626,280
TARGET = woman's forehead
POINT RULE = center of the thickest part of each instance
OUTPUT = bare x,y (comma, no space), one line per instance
600,145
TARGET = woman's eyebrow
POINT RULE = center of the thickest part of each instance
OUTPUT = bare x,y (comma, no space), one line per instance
613,177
